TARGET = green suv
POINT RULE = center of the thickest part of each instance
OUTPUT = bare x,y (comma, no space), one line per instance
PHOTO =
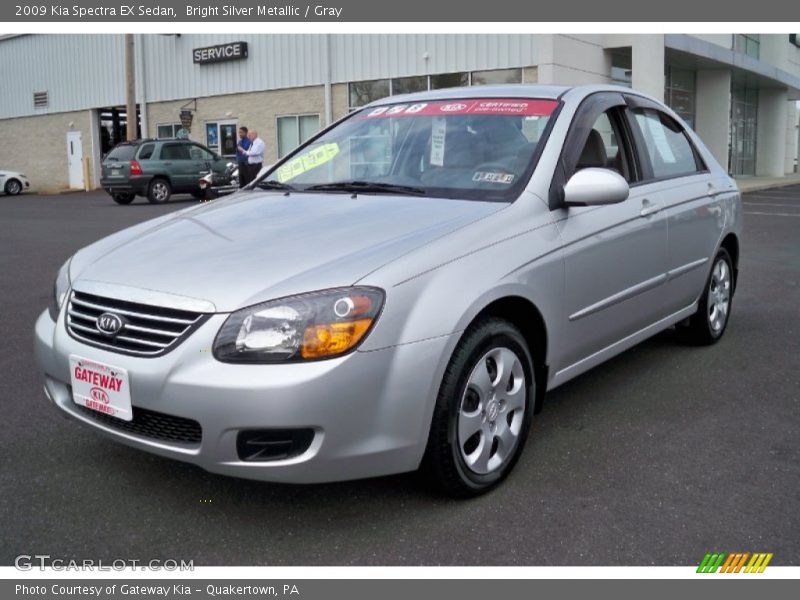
157,168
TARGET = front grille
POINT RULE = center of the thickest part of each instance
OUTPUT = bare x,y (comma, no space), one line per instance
151,424
147,330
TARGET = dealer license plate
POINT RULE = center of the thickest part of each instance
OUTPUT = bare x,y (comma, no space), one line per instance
101,387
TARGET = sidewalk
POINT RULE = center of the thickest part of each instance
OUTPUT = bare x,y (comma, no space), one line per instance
754,184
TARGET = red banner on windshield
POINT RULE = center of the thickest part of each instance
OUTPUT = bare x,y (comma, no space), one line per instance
473,106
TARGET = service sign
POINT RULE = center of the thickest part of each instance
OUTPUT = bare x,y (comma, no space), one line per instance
100,387
220,53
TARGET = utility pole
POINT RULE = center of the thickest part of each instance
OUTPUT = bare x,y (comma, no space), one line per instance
130,87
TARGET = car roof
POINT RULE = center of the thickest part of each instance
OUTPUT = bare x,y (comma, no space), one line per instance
147,140
516,90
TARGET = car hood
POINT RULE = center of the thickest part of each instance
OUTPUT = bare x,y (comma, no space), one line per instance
255,246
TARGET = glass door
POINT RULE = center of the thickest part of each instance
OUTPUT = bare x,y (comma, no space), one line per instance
221,137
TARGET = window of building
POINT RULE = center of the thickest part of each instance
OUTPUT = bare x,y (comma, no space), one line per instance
496,76
364,92
448,80
670,152
167,130
621,68
747,43
293,130
408,85
361,93
679,92
744,123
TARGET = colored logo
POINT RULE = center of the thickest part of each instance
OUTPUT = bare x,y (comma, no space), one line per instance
99,395
735,562
452,107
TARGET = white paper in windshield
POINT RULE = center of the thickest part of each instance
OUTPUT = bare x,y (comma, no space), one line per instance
438,132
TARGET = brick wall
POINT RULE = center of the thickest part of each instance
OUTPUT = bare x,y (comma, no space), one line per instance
37,147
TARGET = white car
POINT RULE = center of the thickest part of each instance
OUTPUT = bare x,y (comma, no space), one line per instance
13,183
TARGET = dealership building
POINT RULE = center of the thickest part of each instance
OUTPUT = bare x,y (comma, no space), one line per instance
62,102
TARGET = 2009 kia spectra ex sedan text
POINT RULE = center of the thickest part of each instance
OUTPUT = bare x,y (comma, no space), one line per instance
399,292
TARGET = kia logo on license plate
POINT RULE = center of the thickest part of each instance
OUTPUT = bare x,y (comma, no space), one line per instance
99,395
109,324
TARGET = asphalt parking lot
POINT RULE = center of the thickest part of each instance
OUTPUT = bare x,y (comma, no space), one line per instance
657,457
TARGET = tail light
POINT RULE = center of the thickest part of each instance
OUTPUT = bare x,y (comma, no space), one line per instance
136,168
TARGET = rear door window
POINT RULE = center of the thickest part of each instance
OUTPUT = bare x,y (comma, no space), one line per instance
667,147
175,152
200,153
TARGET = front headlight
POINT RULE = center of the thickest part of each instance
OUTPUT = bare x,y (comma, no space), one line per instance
307,327
60,290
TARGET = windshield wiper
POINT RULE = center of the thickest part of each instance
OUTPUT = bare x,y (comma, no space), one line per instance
273,184
366,187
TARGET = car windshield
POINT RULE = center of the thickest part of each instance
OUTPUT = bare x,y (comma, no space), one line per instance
477,148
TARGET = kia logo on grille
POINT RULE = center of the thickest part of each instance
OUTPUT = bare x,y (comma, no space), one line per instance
109,324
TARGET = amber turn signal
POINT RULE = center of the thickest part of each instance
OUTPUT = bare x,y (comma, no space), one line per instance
331,339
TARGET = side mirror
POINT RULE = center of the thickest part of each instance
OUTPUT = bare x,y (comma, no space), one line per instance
595,187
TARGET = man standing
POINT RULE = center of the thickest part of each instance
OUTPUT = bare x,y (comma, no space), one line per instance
241,157
255,154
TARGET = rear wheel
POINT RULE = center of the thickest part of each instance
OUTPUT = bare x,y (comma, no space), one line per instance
483,411
13,187
123,198
159,191
708,324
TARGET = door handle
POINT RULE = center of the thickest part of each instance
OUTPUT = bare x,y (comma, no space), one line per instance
649,209
167,162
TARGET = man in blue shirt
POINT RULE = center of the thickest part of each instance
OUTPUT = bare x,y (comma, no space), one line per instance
241,157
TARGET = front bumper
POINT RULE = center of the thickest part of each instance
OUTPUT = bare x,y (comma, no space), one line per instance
370,411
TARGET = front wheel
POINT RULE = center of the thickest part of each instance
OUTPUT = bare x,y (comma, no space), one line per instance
708,324
13,187
483,411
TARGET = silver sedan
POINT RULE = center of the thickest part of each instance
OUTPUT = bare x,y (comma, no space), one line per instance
401,291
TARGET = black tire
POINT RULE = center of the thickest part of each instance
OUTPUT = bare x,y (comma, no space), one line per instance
123,198
702,329
13,187
159,191
444,464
